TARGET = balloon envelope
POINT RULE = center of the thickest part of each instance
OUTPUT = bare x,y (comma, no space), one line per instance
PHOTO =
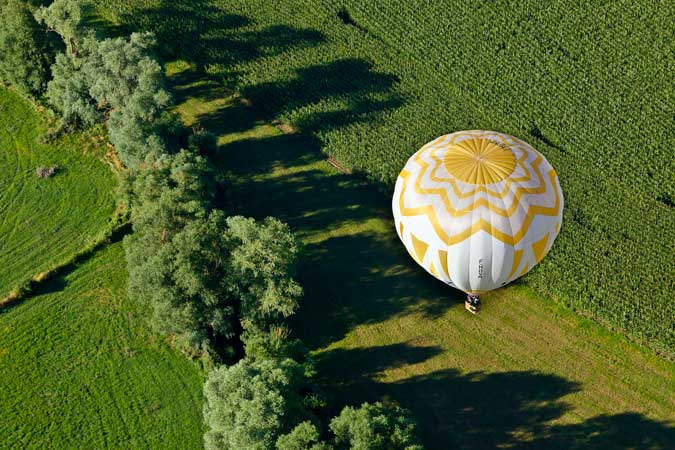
477,209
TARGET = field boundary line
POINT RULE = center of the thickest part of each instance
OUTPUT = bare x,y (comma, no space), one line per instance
117,230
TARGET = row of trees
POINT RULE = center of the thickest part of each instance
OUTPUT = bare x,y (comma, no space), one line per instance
269,403
221,286
210,280
51,54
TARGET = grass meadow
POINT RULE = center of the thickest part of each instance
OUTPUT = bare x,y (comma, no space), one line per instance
525,373
79,370
44,222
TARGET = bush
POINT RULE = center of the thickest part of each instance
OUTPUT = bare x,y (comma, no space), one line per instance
374,427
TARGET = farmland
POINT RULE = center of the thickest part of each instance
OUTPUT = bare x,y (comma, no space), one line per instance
112,350
46,221
91,375
590,87
78,366
524,374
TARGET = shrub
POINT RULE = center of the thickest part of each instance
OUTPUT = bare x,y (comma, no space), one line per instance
46,172
374,427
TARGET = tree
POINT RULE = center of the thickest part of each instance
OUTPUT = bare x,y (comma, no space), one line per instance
374,427
26,52
263,262
118,80
266,403
65,18
206,277
305,436
126,80
168,197
68,92
251,404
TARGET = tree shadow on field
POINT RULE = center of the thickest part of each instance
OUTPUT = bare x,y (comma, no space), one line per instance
350,89
350,276
220,43
477,410
210,37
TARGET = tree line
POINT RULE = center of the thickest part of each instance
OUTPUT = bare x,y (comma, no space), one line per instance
222,287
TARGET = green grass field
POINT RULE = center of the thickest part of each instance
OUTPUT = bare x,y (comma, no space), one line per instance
43,223
79,370
523,374
589,85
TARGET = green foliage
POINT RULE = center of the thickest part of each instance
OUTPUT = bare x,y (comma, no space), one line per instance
80,370
374,427
258,404
305,436
64,17
26,52
250,404
273,343
114,79
169,201
68,92
263,256
46,221
118,78
126,79
590,86
205,276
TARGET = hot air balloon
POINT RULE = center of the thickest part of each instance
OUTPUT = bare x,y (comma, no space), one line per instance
477,209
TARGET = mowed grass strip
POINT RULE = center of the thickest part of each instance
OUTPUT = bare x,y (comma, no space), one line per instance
79,370
44,222
525,373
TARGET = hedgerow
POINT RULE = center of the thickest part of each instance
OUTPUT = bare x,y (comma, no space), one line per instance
589,86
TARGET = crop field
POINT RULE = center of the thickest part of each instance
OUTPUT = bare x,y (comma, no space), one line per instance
79,370
524,374
44,222
590,86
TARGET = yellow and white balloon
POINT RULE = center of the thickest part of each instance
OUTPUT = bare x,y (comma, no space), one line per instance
477,209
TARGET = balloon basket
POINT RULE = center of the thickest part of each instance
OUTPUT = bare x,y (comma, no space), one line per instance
472,304
473,309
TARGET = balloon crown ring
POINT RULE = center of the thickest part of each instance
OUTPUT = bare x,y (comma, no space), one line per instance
479,160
